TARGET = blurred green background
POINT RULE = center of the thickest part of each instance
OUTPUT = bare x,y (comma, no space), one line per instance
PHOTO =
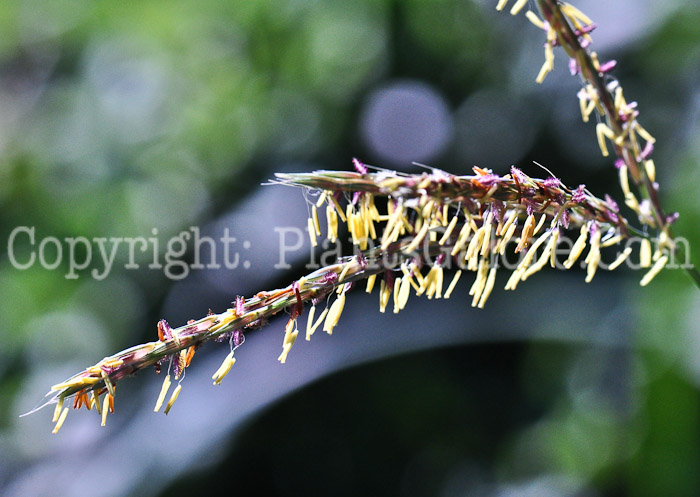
143,119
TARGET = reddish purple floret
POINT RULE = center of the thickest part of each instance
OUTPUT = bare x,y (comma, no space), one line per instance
579,195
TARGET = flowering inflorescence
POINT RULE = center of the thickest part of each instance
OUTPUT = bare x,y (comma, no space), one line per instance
601,93
427,223
407,229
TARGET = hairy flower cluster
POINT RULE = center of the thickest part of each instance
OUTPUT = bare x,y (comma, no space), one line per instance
617,119
408,229
426,223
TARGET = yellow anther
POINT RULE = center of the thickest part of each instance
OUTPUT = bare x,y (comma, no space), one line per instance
448,231
528,229
334,314
643,132
553,244
603,131
645,253
578,247
612,241
163,391
173,398
574,14
539,224
404,291
57,410
593,257
650,168
514,279
224,369
656,268
384,294
620,259
517,7
370,283
322,198
61,419
532,17
453,283
105,409
339,209
480,283
487,289
418,238
506,238
314,216
332,222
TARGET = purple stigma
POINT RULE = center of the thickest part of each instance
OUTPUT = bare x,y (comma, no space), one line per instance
579,195
607,66
552,182
574,69
359,166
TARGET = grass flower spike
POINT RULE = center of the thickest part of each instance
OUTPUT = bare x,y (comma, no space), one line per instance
417,235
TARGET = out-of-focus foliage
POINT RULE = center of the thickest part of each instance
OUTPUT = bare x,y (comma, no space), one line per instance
121,118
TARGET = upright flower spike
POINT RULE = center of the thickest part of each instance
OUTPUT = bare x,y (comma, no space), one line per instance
618,119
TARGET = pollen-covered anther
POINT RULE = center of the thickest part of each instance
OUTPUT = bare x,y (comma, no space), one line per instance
643,133
461,238
540,223
645,253
290,335
418,238
578,247
332,223
453,284
224,369
650,169
501,4
432,284
60,420
602,132
173,398
448,231
480,281
655,269
486,242
312,326
384,295
334,313
593,257
532,251
517,6
620,259
409,278
532,17
548,65
490,281
312,232
528,229
163,391
370,283
544,258
58,409
577,17
510,230
403,293
107,406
